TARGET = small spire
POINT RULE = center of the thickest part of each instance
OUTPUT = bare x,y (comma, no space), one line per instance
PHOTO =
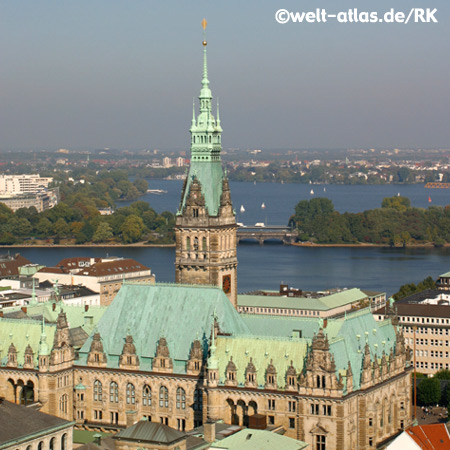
218,117
193,112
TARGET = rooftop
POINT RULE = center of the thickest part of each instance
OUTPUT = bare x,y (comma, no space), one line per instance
430,437
19,423
320,303
150,432
248,439
418,310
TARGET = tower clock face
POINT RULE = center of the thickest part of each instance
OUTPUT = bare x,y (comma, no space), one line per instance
226,284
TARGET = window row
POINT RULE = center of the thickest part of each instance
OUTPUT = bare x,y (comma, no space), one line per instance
52,444
316,409
146,395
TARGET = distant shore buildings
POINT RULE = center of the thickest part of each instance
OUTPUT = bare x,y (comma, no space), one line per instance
25,191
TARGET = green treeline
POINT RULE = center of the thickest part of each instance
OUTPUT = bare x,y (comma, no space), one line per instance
77,218
395,223
411,288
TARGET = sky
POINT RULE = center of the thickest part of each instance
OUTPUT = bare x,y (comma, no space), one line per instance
123,73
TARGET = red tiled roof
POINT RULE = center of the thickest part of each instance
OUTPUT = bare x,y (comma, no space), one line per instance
113,267
53,270
430,437
74,263
10,267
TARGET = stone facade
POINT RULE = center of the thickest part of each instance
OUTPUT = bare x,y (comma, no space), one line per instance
318,406
314,399
206,245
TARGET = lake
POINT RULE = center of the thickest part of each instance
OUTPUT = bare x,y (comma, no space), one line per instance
280,199
266,266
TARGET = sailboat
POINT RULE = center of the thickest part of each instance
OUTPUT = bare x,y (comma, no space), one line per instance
263,205
429,199
242,209
398,194
324,189
312,192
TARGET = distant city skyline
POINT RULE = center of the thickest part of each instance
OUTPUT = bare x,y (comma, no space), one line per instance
122,75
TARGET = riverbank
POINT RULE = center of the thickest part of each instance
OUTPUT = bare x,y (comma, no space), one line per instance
429,245
137,244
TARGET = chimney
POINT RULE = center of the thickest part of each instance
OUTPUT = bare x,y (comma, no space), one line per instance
325,323
86,308
131,417
209,431
24,309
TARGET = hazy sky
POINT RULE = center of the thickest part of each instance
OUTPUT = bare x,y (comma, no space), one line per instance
122,74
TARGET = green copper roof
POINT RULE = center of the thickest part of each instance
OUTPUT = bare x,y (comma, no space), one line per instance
210,176
180,313
347,336
258,440
281,326
262,350
324,303
206,145
76,314
21,333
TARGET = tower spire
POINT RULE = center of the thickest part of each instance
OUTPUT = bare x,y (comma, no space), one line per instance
205,81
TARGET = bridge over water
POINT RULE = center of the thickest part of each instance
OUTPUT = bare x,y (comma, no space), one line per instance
286,235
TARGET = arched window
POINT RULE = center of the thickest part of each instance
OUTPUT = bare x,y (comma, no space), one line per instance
163,397
41,446
51,445
131,399
204,244
64,441
210,139
181,398
97,391
188,243
63,403
114,392
146,396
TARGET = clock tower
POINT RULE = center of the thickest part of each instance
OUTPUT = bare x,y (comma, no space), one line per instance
206,222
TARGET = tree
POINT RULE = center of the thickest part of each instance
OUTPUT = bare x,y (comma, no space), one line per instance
61,229
403,174
397,203
141,185
44,228
443,374
410,288
103,232
132,229
7,238
429,391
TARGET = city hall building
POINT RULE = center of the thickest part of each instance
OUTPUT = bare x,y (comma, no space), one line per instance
180,354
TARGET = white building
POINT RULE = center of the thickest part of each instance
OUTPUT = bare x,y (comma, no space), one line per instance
23,184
